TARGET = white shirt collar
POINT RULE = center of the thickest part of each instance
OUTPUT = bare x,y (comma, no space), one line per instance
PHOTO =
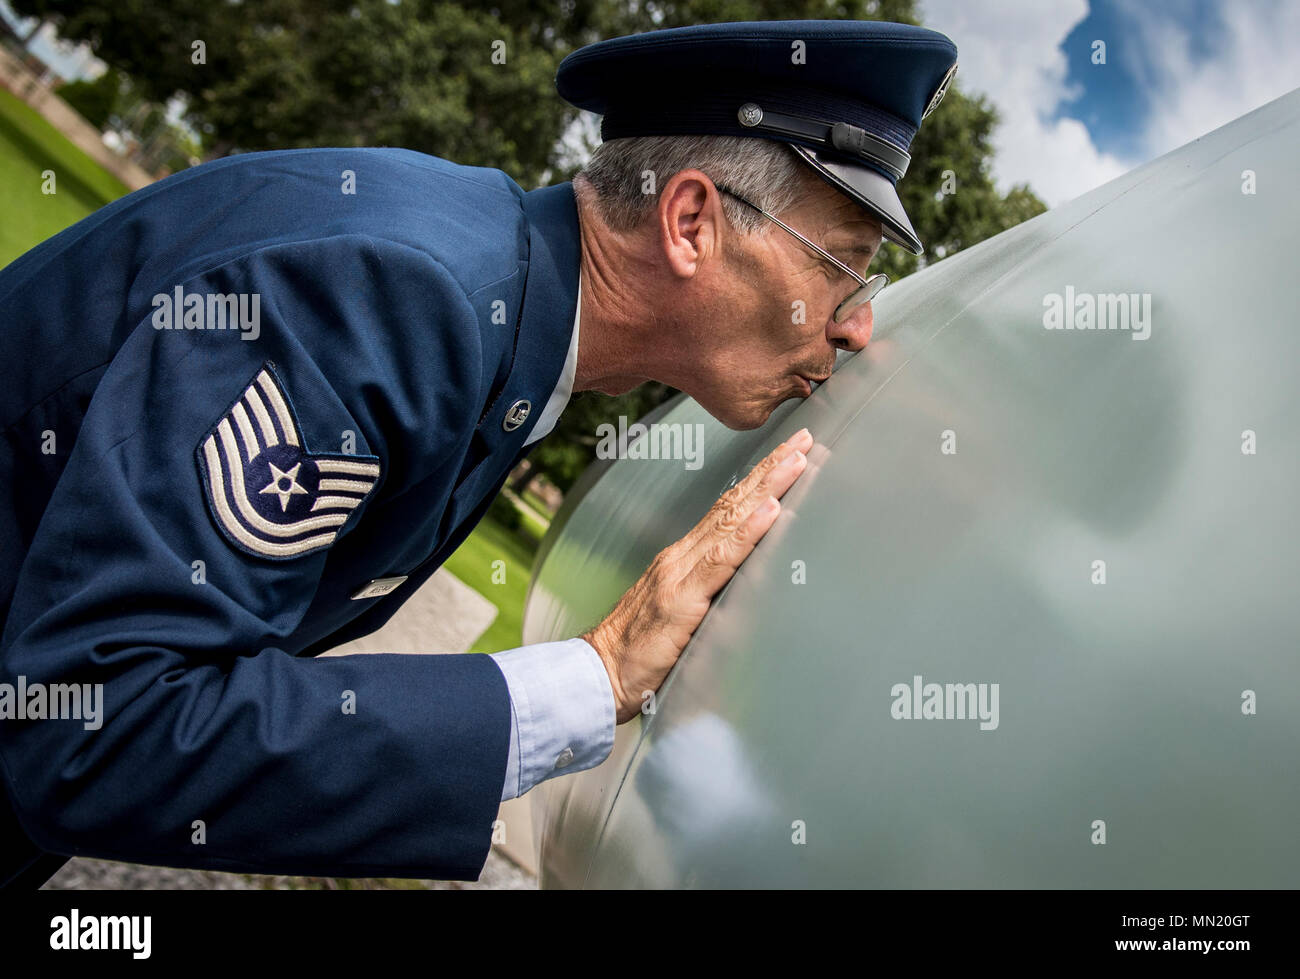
564,389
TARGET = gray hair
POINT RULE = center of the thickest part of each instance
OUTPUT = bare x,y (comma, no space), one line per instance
627,173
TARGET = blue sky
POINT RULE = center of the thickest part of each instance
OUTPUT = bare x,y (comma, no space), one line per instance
1175,70
1114,102
1109,102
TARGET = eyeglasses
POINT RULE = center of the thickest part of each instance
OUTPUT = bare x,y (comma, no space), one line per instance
867,289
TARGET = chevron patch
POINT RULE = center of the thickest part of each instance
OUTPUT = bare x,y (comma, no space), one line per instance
268,494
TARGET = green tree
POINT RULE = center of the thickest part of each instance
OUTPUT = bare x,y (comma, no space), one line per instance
443,78
96,100
422,74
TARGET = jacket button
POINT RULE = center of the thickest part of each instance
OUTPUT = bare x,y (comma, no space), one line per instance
564,758
517,415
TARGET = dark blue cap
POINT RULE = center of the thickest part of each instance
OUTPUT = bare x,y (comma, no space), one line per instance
848,95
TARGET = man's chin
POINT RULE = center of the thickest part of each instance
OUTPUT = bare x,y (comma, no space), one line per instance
748,422
747,417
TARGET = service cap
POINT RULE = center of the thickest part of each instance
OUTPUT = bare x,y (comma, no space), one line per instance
847,95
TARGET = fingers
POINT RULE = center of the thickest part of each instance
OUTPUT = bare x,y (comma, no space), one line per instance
801,441
646,631
771,477
779,478
735,525
726,553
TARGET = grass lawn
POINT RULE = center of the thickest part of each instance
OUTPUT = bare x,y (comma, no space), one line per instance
534,523
28,146
536,502
472,564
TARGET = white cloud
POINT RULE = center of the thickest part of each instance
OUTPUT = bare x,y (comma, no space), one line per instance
1013,55
1254,60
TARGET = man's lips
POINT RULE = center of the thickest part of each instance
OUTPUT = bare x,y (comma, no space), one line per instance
810,379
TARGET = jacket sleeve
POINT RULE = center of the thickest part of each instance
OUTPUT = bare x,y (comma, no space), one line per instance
215,747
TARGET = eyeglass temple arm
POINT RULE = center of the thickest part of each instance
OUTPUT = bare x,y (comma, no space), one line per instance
813,245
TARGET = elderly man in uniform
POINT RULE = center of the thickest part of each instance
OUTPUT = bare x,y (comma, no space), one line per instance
250,409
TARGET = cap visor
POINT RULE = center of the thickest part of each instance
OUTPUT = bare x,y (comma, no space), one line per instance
869,189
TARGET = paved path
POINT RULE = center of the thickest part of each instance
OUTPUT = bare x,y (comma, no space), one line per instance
444,616
499,873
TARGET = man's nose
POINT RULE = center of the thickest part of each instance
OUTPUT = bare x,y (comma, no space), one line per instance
854,332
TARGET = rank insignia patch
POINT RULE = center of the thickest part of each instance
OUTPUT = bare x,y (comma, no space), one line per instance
268,494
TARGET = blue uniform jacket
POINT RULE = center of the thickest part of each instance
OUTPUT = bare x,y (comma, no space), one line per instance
189,498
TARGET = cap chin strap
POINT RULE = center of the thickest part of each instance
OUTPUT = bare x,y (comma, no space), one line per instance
850,140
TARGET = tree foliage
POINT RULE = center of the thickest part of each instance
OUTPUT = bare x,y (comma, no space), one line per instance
422,74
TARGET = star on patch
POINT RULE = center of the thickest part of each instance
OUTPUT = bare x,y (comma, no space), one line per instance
268,493
284,484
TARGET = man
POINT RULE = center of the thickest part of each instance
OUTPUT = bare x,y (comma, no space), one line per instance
259,403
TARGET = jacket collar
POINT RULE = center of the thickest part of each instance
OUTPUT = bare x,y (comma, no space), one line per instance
546,320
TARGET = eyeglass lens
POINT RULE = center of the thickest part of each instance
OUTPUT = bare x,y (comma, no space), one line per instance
863,294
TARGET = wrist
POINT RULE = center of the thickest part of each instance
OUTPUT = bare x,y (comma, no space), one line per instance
598,639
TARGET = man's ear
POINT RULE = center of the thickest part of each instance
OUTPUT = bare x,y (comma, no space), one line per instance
691,222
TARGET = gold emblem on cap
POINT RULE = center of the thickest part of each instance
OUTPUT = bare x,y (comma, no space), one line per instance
941,91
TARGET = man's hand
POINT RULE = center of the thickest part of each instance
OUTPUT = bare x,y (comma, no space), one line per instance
640,640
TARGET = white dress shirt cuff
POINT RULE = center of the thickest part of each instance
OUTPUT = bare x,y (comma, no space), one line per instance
562,712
